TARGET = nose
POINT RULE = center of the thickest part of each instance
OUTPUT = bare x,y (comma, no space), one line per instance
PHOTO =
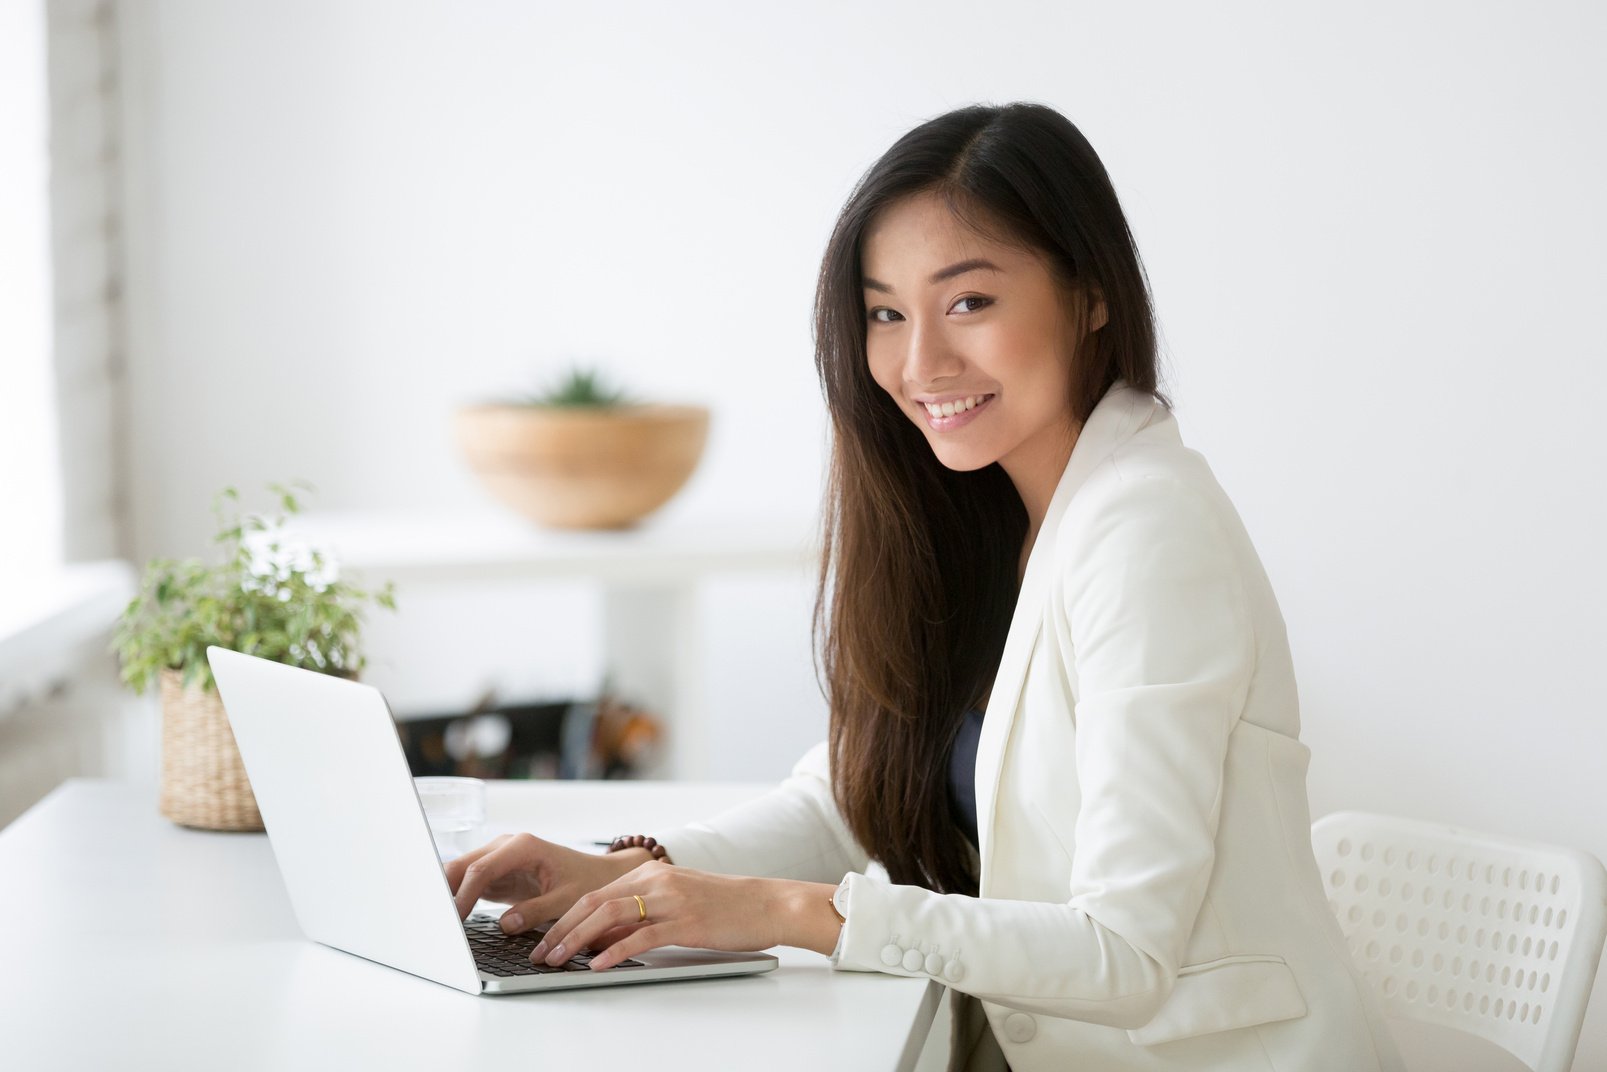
931,358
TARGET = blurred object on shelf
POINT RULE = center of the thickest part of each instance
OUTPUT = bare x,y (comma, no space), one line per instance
626,739
568,739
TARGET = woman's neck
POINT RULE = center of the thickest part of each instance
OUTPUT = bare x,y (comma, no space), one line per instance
1035,470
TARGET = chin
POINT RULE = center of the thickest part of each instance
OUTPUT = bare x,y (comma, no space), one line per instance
963,461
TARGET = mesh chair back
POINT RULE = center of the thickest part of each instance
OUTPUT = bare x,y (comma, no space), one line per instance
1484,934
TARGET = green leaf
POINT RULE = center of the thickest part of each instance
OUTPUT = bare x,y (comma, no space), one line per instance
184,606
579,387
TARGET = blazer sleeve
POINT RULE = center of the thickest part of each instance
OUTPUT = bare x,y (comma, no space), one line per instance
794,831
1149,587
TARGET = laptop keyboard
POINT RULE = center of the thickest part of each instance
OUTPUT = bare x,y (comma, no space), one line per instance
502,954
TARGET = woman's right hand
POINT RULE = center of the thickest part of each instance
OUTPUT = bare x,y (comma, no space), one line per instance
537,879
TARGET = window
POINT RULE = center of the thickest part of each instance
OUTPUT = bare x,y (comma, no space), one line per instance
30,481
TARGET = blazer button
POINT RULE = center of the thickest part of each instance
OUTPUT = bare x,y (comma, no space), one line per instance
891,955
913,960
954,970
1019,1027
934,964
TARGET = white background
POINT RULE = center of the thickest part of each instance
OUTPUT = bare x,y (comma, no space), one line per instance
1374,233
27,415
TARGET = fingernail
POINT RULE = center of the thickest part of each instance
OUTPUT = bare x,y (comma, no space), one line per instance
512,921
557,955
540,950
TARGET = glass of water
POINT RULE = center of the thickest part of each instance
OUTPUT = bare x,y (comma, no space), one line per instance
455,808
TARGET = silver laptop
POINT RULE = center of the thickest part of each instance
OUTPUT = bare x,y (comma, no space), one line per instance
355,850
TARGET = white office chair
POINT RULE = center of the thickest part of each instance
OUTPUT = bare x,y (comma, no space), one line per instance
1483,934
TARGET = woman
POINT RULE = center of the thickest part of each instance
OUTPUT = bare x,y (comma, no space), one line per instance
1063,710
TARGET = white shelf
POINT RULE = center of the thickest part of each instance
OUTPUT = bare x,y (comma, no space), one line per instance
649,578
416,546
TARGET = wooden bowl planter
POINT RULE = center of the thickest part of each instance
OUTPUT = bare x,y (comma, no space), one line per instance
583,467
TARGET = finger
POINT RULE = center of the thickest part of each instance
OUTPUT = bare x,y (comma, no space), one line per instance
610,913
639,940
536,913
485,870
609,937
583,906
459,864
556,935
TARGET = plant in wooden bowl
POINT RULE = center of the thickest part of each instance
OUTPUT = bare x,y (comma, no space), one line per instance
283,605
581,455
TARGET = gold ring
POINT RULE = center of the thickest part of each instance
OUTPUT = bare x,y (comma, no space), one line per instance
641,907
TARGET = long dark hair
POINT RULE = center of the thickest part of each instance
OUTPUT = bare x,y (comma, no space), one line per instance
918,578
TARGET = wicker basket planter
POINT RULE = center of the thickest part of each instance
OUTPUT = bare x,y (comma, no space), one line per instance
204,784
276,601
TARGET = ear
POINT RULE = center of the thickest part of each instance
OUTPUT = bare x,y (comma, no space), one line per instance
1098,315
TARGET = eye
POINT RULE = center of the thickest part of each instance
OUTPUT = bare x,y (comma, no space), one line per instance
982,303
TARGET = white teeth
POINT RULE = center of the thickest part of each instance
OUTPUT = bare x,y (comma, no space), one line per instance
949,409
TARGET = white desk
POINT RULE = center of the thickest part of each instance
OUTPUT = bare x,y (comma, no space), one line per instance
648,575
128,942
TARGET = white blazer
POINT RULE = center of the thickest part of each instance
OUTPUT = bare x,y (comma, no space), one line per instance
1149,899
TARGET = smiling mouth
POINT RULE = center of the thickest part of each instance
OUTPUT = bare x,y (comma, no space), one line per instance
952,416
954,408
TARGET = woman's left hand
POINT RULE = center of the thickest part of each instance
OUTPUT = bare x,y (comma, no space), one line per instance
683,907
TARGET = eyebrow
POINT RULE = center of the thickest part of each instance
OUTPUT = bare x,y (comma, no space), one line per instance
972,265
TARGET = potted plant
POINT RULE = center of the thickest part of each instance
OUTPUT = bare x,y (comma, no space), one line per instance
285,607
580,455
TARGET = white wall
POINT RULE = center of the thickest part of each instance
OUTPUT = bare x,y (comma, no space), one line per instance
1373,229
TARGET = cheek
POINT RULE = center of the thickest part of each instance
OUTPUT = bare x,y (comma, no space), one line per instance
884,372
1036,363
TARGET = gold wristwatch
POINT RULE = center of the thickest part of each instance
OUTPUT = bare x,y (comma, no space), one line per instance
839,900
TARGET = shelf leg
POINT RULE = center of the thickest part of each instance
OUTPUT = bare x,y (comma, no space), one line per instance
652,648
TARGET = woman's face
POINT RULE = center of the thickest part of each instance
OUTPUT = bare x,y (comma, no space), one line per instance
972,340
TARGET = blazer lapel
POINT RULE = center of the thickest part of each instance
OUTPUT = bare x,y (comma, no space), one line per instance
1120,413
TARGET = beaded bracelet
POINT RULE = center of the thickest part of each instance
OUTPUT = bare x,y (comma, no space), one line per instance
640,841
